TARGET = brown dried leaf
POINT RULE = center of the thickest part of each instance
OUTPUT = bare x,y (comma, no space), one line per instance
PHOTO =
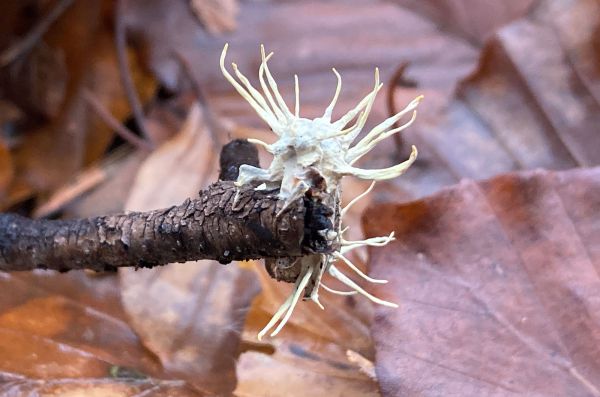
309,38
59,134
502,118
67,333
473,19
294,371
217,16
190,315
15,386
498,284
309,356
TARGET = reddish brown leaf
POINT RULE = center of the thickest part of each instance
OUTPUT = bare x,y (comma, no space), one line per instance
308,38
64,333
531,103
562,125
498,285
473,19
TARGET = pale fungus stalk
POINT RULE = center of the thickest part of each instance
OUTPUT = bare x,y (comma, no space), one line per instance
314,154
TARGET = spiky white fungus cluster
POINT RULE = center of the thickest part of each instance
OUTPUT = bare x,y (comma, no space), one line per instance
321,147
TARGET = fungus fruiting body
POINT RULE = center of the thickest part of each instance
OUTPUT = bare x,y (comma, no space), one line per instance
313,155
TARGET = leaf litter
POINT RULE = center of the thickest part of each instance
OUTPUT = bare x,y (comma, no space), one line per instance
524,98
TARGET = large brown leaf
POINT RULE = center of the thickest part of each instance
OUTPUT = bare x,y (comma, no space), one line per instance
531,102
498,286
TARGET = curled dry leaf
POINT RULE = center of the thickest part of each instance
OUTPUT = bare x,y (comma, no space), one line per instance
190,315
498,285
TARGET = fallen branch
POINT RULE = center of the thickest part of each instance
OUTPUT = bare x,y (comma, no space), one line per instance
225,223
214,226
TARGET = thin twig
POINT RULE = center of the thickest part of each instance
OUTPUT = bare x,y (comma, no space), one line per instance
113,123
128,86
214,126
397,80
35,34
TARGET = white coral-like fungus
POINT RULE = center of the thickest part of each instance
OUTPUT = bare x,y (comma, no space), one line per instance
321,147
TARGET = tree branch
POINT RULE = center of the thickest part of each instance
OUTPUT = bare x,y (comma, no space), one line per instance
215,226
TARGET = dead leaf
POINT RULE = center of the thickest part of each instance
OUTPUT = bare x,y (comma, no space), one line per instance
563,123
15,386
66,334
469,133
532,102
475,20
217,16
190,315
498,284
308,38
100,189
309,357
293,371
59,134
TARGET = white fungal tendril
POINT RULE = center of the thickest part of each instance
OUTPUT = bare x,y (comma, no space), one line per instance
336,292
313,155
357,270
355,200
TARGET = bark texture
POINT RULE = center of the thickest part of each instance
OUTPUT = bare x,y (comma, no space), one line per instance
214,226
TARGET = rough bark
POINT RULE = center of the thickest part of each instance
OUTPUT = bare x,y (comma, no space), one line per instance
215,226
